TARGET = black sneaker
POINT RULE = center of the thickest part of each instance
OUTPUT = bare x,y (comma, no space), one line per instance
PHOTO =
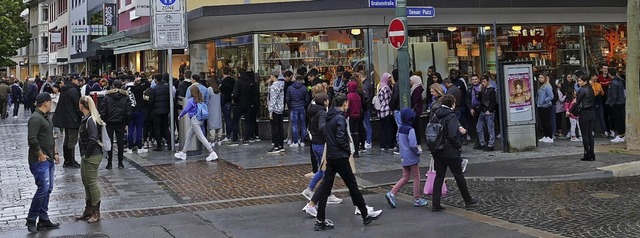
437,208
489,148
71,165
31,227
323,225
275,150
47,225
472,202
478,147
367,220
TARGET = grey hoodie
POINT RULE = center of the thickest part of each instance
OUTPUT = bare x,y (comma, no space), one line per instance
276,97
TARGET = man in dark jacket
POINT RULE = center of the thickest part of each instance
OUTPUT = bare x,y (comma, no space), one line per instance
450,155
160,108
616,100
486,114
297,98
184,85
115,109
68,117
226,89
16,97
244,93
461,108
5,91
369,91
338,151
136,90
30,93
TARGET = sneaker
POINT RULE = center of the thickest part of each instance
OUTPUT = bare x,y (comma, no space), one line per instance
420,202
391,199
143,151
246,142
235,143
257,138
323,225
468,137
396,152
464,164
15,117
129,151
369,211
252,140
604,135
575,139
437,208
219,142
312,211
225,140
212,156
289,141
472,202
275,150
547,140
371,216
294,145
309,175
612,134
180,155
618,139
301,144
307,193
47,225
332,199
31,227
213,144
543,139
367,145
499,136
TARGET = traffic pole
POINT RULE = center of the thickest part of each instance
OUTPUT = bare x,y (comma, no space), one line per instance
403,57
171,103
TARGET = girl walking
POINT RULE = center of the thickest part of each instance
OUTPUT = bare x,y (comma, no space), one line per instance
91,154
196,126
410,155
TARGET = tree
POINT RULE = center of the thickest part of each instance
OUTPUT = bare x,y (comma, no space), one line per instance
633,75
14,30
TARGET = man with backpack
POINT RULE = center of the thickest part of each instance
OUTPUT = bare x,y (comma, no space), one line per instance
115,110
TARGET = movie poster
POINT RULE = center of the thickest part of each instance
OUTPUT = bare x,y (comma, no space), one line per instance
520,96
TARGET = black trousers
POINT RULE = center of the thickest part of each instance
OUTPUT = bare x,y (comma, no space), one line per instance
354,127
148,130
387,137
342,167
545,120
277,130
69,145
16,108
618,116
455,165
118,130
247,127
587,121
161,128
3,107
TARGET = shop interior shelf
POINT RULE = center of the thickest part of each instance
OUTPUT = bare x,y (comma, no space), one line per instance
570,65
287,42
568,34
341,49
294,58
525,51
569,49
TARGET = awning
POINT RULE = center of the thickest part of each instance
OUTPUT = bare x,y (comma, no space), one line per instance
132,48
92,53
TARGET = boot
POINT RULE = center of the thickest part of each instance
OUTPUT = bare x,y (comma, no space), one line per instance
70,158
120,164
95,213
86,213
109,166
593,156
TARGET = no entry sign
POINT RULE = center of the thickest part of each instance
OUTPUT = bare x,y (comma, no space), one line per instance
397,33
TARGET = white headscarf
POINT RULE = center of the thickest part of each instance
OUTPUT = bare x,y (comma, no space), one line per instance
415,82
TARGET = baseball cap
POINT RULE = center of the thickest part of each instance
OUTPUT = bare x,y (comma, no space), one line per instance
42,98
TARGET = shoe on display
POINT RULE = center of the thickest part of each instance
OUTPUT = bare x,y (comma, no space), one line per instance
212,156
323,225
180,155
307,193
420,202
391,199
464,164
312,211
332,199
367,145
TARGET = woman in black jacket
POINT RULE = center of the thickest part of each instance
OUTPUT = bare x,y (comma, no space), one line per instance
586,117
160,106
91,153
450,155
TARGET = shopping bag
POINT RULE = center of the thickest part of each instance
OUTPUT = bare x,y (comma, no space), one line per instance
431,178
106,141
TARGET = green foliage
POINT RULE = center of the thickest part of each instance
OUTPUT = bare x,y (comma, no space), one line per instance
14,30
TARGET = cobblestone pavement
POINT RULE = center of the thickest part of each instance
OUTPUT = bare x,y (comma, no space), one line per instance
592,208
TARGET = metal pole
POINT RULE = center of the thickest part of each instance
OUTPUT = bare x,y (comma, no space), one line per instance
403,57
171,103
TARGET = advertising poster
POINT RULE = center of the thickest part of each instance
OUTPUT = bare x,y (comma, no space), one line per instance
519,85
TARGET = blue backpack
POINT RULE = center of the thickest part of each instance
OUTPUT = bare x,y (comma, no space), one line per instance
202,111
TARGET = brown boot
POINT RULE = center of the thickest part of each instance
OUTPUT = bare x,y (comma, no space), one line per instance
88,210
95,215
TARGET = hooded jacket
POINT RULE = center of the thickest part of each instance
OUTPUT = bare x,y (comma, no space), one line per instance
335,134
276,97
407,140
297,96
244,91
616,94
115,107
453,140
68,113
317,123
355,102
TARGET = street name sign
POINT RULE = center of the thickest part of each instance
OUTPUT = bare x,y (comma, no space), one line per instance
424,12
382,3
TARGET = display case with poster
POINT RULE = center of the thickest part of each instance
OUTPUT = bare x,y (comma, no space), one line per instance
518,82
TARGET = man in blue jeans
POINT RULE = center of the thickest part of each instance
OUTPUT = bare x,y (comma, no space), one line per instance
486,115
297,98
226,88
42,156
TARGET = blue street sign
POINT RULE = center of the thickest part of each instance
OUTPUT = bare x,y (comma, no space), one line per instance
382,3
168,2
427,12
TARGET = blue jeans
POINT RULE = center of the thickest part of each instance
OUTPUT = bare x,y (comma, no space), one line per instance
487,119
298,119
367,125
136,125
317,150
226,115
43,174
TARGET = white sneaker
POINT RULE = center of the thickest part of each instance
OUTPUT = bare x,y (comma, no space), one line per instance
309,175
367,145
212,156
301,144
307,193
468,137
219,142
499,136
312,211
293,145
372,212
542,139
180,155
224,140
548,140
618,139
612,134
15,117
464,164
143,151
575,139
332,199
129,151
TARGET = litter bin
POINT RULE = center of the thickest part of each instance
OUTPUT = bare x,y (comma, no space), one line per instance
183,126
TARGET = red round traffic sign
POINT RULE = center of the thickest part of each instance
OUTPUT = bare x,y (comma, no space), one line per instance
397,33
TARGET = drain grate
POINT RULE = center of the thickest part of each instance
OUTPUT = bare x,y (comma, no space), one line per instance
83,236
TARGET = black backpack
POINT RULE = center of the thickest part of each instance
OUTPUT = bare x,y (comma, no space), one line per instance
434,135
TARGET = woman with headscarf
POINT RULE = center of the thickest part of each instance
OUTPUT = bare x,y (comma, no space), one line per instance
385,115
416,101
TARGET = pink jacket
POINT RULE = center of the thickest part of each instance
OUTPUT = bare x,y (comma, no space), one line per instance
567,107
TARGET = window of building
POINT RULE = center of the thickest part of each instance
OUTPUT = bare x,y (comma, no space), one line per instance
45,44
45,14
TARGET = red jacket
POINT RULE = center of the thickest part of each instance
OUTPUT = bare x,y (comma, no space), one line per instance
355,103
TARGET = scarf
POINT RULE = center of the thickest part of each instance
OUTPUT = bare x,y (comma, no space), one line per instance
384,81
415,82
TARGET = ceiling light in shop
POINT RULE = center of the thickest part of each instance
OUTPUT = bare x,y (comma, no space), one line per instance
486,28
452,28
516,28
355,32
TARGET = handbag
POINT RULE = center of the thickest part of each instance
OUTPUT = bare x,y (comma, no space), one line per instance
575,109
105,141
431,178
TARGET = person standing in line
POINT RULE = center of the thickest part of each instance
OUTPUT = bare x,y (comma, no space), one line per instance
385,114
585,100
31,92
136,88
450,155
183,86
297,99
16,98
473,104
486,114
160,108
545,106
91,154
226,88
214,123
598,91
43,157
5,91
461,111
55,97
605,81
394,106
68,116
416,102
410,155
115,108
368,87
354,113
243,96
559,108
276,110
616,100
195,130
337,161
